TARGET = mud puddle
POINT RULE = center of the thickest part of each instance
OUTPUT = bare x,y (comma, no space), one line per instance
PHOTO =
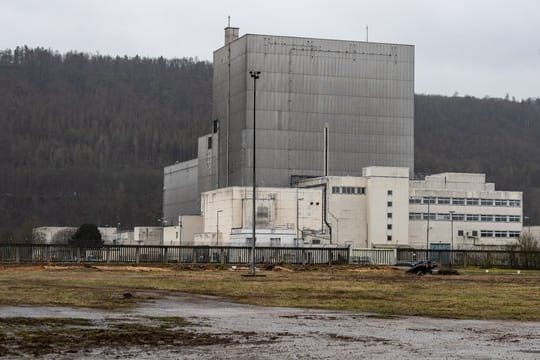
185,326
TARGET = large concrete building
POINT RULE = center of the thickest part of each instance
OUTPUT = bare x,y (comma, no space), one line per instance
362,92
334,117
324,107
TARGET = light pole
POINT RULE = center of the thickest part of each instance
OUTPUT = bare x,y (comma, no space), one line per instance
451,236
255,75
452,229
427,229
217,226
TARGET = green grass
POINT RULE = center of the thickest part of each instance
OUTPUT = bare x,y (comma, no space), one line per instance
473,294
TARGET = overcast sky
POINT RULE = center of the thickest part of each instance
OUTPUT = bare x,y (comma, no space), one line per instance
474,47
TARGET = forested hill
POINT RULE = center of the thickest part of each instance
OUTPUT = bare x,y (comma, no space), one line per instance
83,138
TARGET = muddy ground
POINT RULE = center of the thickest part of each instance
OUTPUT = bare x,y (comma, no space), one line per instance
182,326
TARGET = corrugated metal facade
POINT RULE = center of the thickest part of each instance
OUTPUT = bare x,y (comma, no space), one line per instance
363,91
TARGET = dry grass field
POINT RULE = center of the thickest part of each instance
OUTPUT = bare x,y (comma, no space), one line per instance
473,294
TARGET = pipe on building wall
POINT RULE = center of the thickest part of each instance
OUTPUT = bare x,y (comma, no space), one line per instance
325,209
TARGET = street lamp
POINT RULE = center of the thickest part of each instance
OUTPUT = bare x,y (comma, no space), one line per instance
217,226
452,229
451,236
255,75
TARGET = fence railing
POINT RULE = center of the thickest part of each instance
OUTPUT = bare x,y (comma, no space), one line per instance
171,254
373,256
478,258
41,253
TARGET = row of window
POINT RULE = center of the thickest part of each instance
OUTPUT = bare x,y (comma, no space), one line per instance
464,217
499,234
463,201
348,190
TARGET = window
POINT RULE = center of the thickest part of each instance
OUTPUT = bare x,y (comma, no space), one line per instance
443,217
316,241
458,201
500,234
389,203
389,237
209,142
348,190
486,233
486,218
514,218
429,200
389,192
475,233
500,218
458,217
275,242
460,233
177,234
432,216
389,215
501,202
515,203
473,202
415,216
389,226
262,215
472,217
513,234
415,200
486,202
443,200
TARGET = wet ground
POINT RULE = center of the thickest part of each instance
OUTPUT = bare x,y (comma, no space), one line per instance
254,332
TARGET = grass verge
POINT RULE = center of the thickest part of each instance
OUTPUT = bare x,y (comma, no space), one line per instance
477,295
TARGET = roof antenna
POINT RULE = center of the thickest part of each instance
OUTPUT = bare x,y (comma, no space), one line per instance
367,33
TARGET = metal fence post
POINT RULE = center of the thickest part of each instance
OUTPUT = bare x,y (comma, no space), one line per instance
165,255
137,254
107,254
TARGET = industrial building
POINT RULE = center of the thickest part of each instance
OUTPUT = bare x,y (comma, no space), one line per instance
463,211
334,150
360,94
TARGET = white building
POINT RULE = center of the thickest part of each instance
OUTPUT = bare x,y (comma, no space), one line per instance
282,215
367,211
184,233
462,211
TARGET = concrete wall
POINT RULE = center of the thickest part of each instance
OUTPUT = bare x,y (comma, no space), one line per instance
180,190
467,195
387,204
147,235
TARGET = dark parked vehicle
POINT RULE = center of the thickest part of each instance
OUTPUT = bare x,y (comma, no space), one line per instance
422,267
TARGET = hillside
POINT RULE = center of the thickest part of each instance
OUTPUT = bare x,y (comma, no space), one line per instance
84,137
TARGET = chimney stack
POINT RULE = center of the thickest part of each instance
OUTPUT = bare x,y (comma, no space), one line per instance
231,34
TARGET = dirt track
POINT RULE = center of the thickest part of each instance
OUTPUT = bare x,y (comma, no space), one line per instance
285,333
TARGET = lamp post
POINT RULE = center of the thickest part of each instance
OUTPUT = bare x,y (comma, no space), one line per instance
255,75
217,226
451,236
427,229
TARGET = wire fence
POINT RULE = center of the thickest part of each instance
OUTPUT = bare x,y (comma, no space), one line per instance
171,254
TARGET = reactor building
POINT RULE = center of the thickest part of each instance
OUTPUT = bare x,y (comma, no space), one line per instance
324,107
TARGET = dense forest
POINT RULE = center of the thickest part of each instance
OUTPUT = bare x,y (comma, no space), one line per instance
84,137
